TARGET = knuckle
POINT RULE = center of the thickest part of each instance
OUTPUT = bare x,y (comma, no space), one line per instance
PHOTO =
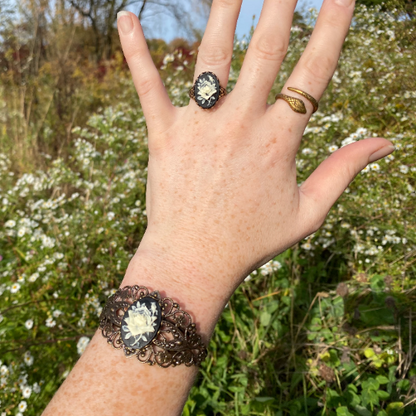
215,55
224,3
319,68
270,48
145,86
333,19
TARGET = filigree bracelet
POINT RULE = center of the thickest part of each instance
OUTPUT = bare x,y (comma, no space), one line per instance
152,328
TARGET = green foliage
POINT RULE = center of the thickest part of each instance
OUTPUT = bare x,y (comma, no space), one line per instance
407,6
326,328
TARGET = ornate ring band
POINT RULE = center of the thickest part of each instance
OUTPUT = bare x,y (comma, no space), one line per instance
207,90
153,329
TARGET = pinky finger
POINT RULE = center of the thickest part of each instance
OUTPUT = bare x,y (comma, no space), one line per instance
157,107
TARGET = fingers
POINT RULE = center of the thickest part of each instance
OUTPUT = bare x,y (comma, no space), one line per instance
266,52
157,108
326,184
319,61
216,49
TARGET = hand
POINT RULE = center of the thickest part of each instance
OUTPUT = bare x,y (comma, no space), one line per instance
222,192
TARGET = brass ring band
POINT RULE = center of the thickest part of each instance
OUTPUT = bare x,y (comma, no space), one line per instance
307,96
297,104
153,329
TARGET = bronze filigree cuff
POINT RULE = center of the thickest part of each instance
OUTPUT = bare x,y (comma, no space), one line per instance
152,328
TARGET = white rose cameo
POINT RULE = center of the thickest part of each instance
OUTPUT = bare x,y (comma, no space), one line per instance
141,323
207,90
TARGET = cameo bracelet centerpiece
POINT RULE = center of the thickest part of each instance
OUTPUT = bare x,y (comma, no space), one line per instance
151,328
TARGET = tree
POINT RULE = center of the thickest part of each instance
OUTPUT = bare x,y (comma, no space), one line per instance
102,15
408,6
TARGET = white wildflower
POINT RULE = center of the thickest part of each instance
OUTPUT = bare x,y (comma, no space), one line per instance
333,148
15,288
28,358
32,278
82,344
22,406
50,323
29,324
27,391
307,246
404,168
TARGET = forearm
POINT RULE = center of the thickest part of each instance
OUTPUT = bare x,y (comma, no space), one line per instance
105,382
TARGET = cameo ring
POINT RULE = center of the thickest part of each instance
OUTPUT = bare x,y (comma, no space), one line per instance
153,329
207,90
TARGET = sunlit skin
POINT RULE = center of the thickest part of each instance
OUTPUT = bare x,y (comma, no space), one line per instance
222,195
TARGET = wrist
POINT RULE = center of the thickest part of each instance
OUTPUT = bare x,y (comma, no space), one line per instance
189,282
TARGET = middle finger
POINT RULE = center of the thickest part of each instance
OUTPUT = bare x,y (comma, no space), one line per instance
266,52
216,48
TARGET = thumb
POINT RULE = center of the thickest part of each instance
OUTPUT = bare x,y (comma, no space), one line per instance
329,180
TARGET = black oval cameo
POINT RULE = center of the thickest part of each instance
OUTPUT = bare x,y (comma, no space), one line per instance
141,322
207,90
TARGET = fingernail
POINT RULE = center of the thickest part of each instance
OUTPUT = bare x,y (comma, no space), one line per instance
384,151
125,22
344,3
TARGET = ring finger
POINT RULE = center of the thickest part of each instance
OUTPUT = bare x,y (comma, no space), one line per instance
216,48
319,60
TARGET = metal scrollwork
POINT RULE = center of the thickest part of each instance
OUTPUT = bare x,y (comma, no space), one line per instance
176,341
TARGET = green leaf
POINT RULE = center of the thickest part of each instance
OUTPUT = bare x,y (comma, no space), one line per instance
362,411
382,379
383,394
265,318
370,397
369,352
370,384
394,406
264,399
395,409
403,384
343,411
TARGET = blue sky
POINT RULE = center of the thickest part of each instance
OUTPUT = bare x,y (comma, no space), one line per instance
253,7
168,31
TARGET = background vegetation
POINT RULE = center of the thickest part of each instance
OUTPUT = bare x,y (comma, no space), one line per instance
326,328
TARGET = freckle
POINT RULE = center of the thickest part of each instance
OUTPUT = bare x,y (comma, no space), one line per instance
290,130
196,122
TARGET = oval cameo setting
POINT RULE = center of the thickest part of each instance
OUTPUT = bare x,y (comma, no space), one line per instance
141,322
207,90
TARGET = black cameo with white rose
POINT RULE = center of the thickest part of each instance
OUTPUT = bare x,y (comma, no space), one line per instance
207,90
141,323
